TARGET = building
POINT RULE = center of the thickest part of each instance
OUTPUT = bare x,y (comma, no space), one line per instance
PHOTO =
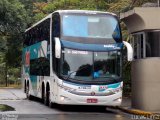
143,24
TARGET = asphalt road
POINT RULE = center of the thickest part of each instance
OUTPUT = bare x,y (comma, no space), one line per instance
35,110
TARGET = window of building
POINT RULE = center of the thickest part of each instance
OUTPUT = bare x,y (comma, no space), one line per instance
138,44
153,44
146,44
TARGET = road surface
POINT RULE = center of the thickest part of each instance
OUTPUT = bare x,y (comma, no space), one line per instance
35,110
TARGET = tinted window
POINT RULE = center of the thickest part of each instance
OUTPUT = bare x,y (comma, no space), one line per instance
40,67
38,33
56,25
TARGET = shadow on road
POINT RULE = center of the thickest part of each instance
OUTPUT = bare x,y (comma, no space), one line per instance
78,108
82,108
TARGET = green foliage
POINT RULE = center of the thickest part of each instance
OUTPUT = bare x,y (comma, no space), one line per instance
13,17
42,10
4,107
119,6
138,3
13,22
2,72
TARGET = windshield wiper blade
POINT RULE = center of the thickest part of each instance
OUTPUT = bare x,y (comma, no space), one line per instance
74,72
69,75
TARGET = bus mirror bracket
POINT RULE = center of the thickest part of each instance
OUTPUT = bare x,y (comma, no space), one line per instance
129,51
57,48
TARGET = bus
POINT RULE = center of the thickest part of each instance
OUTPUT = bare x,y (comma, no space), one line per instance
74,57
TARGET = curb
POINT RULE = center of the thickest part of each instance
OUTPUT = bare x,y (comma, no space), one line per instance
154,116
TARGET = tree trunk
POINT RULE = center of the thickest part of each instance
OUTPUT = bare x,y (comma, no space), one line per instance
6,74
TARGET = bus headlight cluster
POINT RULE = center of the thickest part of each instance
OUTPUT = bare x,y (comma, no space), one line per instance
64,98
118,99
117,90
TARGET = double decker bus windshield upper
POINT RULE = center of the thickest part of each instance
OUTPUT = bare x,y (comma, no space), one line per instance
86,65
91,26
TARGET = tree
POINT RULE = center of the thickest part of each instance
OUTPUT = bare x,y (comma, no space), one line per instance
13,17
44,8
12,23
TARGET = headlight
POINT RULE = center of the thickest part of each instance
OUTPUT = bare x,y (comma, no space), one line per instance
118,99
117,90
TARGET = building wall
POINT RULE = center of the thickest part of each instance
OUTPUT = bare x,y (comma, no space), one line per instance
142,18
146,84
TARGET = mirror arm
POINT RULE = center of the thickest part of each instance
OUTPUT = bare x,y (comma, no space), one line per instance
57,48
129,51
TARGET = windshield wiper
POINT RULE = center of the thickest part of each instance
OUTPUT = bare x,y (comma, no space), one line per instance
70,75
74,72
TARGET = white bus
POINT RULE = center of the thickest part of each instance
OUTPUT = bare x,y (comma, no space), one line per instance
74,57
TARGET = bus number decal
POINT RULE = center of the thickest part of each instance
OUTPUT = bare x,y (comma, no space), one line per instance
84,87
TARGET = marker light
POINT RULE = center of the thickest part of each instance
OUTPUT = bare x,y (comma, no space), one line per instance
118,99
62,98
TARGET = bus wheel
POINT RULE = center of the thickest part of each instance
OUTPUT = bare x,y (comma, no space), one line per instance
29,97
47,101
27,91
50,102
47,98
25,86
43,93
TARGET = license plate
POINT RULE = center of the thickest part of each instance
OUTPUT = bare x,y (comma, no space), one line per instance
92,100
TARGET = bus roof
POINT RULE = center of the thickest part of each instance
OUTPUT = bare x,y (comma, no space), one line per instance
69,11
84,11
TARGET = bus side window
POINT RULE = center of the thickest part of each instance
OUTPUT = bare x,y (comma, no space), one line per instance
40,67
56,33
56,25
45,30
30,38
38,33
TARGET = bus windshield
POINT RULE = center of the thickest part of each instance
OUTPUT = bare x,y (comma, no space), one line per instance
92,26
86,65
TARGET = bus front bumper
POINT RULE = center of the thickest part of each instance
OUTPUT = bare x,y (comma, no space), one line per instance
68,98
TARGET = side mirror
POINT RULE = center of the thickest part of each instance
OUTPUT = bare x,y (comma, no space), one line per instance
57,48
129,51
43,49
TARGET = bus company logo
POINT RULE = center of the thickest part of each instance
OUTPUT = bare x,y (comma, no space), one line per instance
27,58
111,46
102,88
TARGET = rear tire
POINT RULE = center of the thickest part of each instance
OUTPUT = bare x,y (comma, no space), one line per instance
27,92
50,102
47,98
28,96
25,86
